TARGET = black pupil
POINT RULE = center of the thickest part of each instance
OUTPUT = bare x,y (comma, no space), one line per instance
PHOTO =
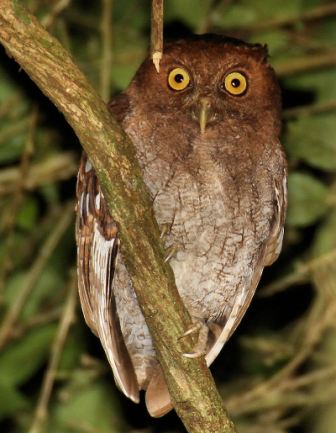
179,78
235,82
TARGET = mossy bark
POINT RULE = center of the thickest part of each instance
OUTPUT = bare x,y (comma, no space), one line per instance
192,388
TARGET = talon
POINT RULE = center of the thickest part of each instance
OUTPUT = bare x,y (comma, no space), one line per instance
200,348
195,328
164,230
193,355
171,251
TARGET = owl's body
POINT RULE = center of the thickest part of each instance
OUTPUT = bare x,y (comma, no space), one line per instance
219,194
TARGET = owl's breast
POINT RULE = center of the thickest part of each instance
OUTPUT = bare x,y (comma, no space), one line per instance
217,230
218,209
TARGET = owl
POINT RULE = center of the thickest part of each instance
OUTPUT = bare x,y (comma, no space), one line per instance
206,132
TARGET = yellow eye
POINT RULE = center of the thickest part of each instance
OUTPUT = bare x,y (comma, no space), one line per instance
178,79
235,83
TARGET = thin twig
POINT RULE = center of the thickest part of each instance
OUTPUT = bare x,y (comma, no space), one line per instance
205,23
39,420
48,20
11,106
300,274
307,15
327,373
82,427
242,403
44,254
37,320
106,60
157,33
294,400
309,110
80,18
13,130
306,63
54,168
12,210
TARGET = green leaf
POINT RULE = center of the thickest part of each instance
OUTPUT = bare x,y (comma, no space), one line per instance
245,12
73,349
188,12
27,216
20,360
18,244
307,199
312,139
129,15
11,149
7,85
276,40
11,400
45,290
325,238
122,75
326,33
88,405
129,51
266,352
321,82
236,15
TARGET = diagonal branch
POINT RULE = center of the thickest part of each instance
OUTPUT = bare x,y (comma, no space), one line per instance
47,63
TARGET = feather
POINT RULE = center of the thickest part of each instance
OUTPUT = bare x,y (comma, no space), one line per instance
158,401
98,243
269,253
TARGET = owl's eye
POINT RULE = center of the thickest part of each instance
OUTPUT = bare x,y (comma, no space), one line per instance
178,79
235,83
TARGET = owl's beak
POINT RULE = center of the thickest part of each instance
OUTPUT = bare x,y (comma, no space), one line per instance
204,113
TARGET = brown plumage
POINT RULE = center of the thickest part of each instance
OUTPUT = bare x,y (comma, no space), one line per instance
206,131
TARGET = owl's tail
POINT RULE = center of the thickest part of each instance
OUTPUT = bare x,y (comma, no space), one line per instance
157,396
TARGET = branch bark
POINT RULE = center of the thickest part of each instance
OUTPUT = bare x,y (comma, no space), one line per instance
157,32
191,386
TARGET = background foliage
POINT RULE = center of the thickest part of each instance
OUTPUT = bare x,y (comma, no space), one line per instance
278,372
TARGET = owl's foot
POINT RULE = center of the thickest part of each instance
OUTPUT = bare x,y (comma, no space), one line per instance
172,249
200,347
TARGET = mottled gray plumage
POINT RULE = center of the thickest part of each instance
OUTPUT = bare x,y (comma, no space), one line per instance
215,168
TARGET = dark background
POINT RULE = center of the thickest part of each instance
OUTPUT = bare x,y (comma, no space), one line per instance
277,374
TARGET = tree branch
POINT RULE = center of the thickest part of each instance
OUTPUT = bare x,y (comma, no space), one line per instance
319,12
65,322
157,32
306,63
106,42
191,386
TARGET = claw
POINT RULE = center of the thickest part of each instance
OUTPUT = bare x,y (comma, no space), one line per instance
200,347
171,251
194,355
164,230
195,328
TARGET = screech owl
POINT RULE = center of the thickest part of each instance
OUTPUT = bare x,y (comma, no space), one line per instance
206,132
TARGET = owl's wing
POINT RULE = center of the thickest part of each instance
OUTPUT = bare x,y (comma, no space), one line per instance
269,253
274,244
97,250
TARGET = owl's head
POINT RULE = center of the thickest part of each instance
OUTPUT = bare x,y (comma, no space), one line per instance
211,79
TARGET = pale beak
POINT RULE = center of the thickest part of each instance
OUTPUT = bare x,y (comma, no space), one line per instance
204,113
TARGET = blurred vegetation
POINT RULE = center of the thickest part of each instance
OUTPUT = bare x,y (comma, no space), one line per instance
278,372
